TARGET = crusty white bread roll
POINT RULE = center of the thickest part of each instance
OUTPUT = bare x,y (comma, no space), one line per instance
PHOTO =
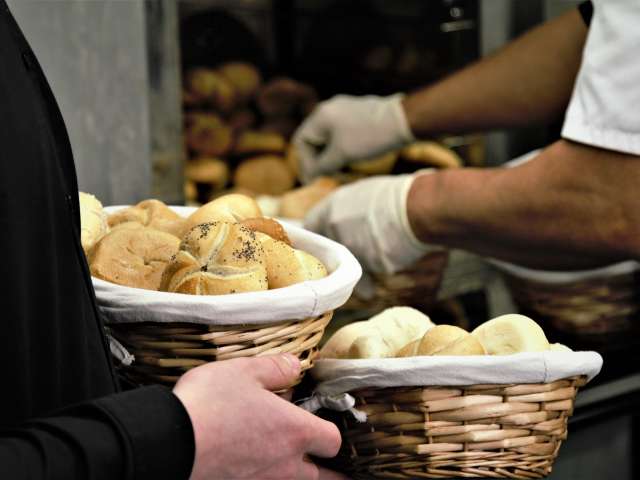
268,226
431,154
210,85
449,340
207,134
133,255
511,333
288,266
209,170
255,142
150,213
233,207
269,204
93,221
266,174
244,77
394,327
297,203
215,259
559,347
381,165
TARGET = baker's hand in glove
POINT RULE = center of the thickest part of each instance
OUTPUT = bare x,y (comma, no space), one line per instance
369,217
348,129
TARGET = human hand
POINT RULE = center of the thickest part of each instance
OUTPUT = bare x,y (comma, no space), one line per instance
369,217
347,129
242,430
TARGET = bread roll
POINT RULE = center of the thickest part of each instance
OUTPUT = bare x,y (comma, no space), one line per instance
297,203
269,204
376,166
190,191
150,213
395,327
252,142
133,256
559,347
431,154
241,120
511,333
207,134
228,208
212,171
93,221
409,350
369,346
266,174
288,266
292,158
244,77
283,96
449,340
268,226
216,259
211,86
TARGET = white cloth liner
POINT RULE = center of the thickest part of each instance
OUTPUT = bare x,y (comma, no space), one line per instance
337,377
303,300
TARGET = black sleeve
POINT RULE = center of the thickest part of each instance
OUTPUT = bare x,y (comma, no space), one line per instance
141,434
586,10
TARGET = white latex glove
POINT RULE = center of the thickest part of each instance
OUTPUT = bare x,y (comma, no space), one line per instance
369,217
348,129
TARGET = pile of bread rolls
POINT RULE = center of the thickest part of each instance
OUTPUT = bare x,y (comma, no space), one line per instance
405,332
226,246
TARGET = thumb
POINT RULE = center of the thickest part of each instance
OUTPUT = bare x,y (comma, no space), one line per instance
275,372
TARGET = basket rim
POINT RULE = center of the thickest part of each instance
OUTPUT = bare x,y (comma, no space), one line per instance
122,304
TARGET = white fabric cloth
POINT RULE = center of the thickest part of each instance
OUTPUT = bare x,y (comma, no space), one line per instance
605,106
304,300
346,129
336,376
370,218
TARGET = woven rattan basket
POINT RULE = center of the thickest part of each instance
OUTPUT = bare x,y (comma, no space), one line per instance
168,333
480,431
594,303
417,287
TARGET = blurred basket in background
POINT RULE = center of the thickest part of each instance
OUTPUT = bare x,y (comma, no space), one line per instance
598,301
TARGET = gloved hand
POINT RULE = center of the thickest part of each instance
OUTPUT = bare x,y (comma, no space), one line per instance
347,129
369,217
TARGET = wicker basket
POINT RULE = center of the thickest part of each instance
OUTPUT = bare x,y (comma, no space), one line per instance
480,431
169,333
416,287
594,303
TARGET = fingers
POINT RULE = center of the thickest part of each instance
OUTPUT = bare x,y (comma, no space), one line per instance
274,372
324,438
308,470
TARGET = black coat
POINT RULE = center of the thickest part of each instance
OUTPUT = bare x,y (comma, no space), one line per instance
60,411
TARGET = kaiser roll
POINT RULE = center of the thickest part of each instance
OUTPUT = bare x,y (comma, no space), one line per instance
207,134
233,207
266,174
268,226
135,257
297,203
215,259
93,221
511,333
150,213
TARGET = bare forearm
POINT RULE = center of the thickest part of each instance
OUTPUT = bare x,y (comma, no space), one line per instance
528,81
571,207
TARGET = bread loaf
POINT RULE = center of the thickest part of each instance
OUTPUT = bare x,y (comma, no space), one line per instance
297,203
394,328
150,213
228,208
133,255
449,340
511,333
215,259
266,174
288,266
93,221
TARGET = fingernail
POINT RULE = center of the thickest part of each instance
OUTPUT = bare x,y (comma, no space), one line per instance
293,362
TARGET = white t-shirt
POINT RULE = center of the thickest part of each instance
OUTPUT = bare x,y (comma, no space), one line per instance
605,106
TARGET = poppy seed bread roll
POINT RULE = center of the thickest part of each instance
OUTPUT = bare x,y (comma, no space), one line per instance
234,207
216,259
288,266
133,255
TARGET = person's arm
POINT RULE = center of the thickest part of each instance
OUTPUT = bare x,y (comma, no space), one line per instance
572,206
136,435
528,81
